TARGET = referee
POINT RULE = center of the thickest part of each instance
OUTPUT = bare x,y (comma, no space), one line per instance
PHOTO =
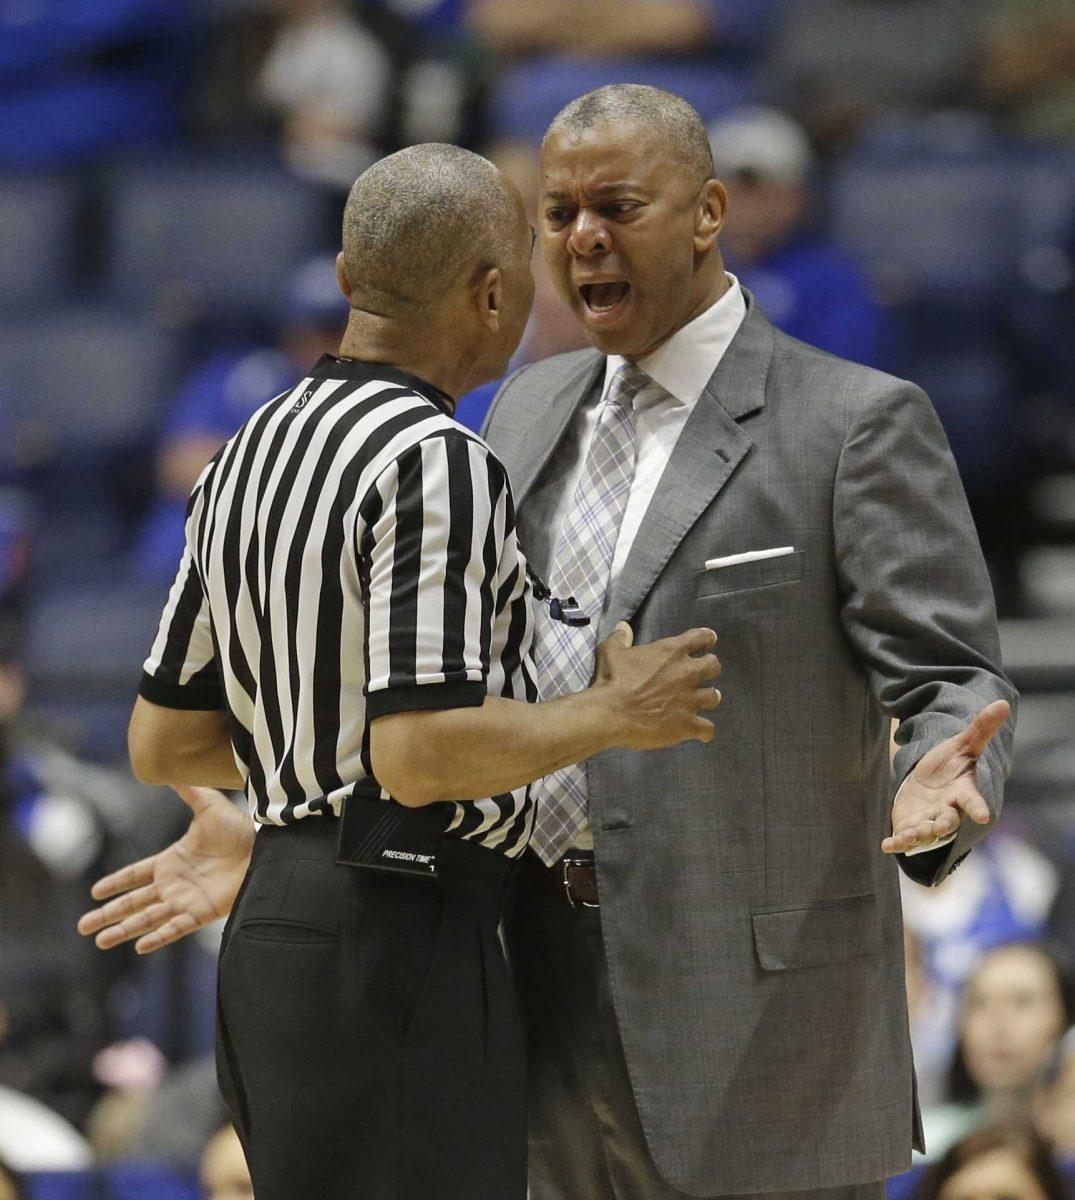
348,640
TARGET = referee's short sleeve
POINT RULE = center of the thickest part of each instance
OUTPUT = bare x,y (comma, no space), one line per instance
430,542
182,669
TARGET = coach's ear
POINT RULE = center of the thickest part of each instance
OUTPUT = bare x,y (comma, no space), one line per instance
341,276
490,298
709,219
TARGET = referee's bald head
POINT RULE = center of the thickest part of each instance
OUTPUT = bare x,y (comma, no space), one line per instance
423,220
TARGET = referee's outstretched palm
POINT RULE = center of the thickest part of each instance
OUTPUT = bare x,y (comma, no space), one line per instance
191,883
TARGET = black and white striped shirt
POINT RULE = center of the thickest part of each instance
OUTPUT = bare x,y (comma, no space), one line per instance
351,552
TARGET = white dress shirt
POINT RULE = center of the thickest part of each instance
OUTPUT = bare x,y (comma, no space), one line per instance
681,367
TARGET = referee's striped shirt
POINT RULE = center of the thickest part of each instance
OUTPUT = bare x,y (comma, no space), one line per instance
351,552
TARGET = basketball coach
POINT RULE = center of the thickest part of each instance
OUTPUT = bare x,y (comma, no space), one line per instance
715,1003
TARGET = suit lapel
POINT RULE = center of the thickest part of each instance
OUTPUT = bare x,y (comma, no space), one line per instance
706,455
550,420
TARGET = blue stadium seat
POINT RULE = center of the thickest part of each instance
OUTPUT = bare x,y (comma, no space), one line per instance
92,639
61,1185
210,239
83,651
940,212
929,223
147,1181
903,1187
85,384
37,216
956,351
894,137
1045,315
530,94
86,377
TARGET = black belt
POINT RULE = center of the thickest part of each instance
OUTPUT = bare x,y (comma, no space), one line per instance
580,879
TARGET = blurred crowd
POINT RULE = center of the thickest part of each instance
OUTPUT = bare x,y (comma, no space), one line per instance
900,175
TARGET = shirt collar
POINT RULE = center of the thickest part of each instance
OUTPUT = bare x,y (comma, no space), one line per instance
328,366
685,363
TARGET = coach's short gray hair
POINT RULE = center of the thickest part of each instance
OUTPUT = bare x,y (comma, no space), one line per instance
681,130
414,221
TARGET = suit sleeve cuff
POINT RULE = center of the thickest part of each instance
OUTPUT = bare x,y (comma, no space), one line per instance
424,698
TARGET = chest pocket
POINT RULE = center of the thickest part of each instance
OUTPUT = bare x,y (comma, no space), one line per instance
747,576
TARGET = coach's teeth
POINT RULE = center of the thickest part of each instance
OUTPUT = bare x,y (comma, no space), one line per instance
601,297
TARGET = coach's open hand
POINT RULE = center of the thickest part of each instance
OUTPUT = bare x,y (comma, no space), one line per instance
942,788
191,883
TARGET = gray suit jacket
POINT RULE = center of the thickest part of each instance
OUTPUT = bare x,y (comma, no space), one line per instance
752,924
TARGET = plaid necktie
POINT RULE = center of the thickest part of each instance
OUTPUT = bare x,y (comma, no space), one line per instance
564,654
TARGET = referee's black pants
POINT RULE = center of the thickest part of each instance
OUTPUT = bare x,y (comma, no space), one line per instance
368,1043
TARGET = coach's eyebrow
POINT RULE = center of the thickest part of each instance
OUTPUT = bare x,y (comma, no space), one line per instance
602,189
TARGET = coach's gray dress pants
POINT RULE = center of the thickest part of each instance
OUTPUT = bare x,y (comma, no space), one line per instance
586,1139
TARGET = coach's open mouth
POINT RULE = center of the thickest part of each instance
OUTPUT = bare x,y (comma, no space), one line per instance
603,299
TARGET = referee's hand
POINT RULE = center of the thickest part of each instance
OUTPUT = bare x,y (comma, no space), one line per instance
191,883
658,691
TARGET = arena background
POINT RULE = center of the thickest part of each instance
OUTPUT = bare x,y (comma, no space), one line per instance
171,181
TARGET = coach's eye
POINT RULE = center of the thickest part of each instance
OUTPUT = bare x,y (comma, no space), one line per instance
557,216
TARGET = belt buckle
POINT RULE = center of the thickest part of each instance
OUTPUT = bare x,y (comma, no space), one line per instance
568,864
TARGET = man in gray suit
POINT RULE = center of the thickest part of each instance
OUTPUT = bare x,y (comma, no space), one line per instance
707,939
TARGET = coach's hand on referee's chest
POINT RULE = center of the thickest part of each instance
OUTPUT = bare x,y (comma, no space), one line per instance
657,692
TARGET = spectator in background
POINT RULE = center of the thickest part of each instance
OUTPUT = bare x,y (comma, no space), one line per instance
327,77
61,821
78,80
15,540
181,1116
34,1140
225,1175
1028,65
836,64
10,1188
553,50
222,393
1012,1162
1004,894
807,285
1054,1112
1016,1005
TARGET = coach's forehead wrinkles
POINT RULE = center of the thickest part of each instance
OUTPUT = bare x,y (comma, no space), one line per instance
595,189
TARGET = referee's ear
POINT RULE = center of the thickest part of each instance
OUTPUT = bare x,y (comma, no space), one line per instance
491,298
341,276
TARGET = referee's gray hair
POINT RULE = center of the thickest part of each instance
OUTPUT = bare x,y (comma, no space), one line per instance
414,221
681,131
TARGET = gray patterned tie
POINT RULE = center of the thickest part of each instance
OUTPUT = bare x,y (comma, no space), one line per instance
564,654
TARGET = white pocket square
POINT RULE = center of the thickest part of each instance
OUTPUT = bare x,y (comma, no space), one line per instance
730,560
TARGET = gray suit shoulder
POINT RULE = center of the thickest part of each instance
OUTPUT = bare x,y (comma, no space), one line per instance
548,374
851,388
565,364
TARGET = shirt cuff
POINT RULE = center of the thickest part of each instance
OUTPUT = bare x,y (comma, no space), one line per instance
936,844
423,697
203,696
